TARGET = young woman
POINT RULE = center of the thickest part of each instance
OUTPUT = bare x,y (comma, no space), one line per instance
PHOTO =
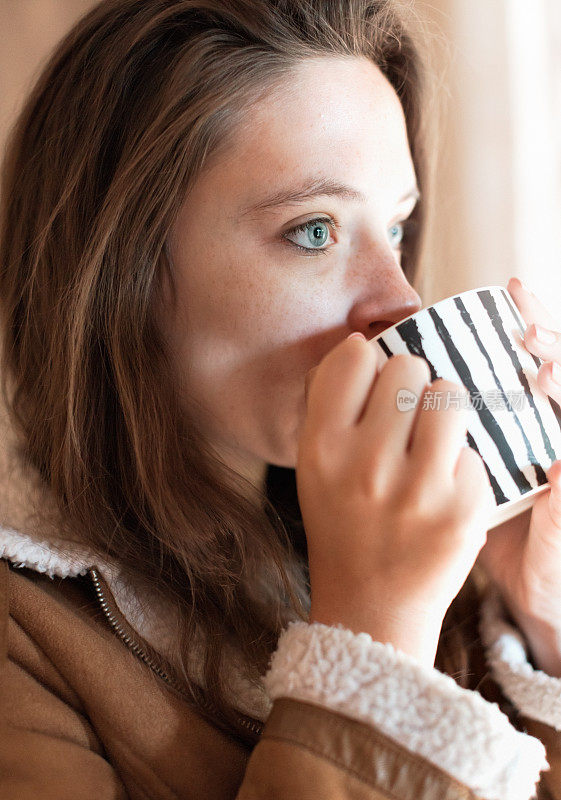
231,567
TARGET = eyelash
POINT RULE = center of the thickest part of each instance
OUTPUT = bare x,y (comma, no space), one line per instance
408,227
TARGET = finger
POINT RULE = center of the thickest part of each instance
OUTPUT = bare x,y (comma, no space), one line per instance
531,308
549,380
340,384
440,427
390,413
553,475
470,475
543,342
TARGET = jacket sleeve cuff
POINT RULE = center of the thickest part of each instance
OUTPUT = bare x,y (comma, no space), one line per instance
534,693
420,708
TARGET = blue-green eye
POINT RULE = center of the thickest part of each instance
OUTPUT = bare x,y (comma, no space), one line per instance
315,234
318,234
396,233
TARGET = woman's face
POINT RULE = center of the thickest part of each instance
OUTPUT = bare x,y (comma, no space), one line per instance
259,303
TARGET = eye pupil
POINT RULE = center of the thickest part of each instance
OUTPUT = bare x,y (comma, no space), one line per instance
319,234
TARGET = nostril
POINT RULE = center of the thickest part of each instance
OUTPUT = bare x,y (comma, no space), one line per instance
376,328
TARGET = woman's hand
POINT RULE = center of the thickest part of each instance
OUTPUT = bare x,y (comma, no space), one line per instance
392,534
523,556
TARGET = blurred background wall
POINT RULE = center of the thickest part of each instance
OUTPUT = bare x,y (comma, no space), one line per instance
497,63
498,184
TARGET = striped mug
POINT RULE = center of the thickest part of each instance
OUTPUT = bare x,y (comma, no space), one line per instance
476,338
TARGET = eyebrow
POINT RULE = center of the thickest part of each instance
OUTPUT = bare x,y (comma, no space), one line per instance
315,187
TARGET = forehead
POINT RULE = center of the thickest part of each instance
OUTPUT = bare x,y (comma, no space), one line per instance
329,113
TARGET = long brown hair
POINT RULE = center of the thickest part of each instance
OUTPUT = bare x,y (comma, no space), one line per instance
133,104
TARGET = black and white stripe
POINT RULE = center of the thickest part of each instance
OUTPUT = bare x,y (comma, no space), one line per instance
453,336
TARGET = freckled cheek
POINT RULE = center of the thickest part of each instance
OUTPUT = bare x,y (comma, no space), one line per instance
273,322
269,315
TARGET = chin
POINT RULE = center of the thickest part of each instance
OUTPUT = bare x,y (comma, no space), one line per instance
286,460
286,447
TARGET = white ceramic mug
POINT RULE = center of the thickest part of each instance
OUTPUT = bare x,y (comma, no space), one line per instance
476,338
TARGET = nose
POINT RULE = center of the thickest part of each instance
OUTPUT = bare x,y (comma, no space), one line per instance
387,299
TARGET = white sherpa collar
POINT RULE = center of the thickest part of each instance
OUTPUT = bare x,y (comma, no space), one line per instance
66,561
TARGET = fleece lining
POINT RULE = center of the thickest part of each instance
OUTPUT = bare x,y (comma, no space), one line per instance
42,556
535,693
421,708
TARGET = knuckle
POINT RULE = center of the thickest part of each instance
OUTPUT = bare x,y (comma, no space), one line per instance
411,363
351,357
423,506
398,362
447,512
443,384
372,481
421,368
418,503
400,358
366,354
450,519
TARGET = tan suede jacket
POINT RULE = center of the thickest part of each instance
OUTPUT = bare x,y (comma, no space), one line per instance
89,711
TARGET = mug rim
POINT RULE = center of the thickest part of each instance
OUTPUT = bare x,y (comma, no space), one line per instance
438,302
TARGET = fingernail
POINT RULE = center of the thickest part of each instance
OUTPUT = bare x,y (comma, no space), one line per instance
356,335
543,335
522,285
556,373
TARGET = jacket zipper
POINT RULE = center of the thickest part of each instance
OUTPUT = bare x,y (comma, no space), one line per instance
247,722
